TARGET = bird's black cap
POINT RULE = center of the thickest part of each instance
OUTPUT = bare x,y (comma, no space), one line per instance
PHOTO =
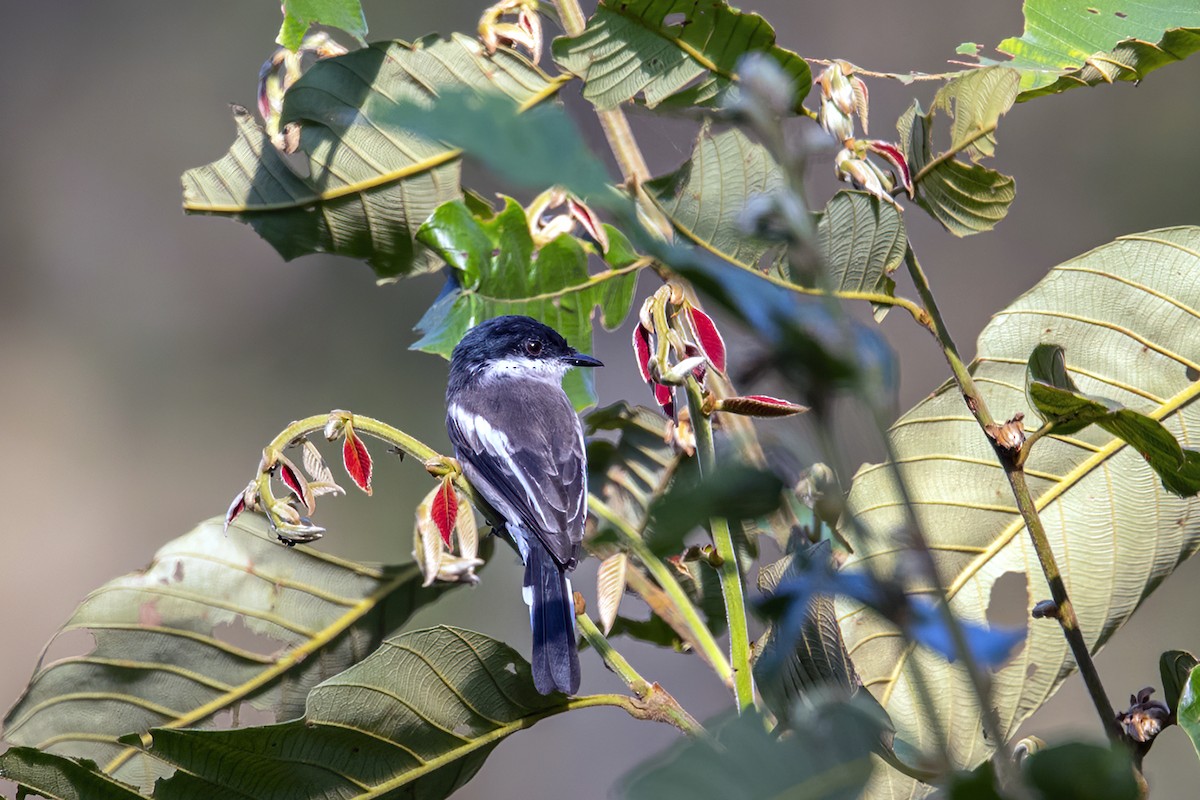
515,337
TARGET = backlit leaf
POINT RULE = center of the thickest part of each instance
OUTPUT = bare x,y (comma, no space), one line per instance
1065,45
298,15
357,460
1127,313
444,509
863,240
610,588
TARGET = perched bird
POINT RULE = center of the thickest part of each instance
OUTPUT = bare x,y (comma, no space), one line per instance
520,444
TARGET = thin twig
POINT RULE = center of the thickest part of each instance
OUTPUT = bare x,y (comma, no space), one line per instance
654,701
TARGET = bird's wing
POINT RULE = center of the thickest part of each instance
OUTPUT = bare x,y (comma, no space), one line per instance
523,450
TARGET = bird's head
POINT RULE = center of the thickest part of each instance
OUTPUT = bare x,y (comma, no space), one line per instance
516,345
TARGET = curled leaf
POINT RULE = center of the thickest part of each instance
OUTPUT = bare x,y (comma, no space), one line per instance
357,460
297,484
587,219
467,531
895,157
314,463
610,588
665,397
760,405
428,547
444,509
641,351
237,506
708,337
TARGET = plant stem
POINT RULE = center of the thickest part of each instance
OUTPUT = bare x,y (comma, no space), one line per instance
729,572
650,697
1025,503
701,636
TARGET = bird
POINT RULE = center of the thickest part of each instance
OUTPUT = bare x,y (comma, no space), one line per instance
520,445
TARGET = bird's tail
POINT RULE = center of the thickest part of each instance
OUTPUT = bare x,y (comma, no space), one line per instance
552,614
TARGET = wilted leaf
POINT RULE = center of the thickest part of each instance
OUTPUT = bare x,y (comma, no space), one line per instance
1127,312
415,719
706,196
610,588
964,198
162,656
496,271
1052,392
679,51
827,757
364,188
1065,45
298,15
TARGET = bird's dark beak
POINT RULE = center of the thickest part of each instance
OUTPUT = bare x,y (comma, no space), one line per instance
582,360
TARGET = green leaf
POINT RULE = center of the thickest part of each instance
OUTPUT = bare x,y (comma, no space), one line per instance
737,492
1065,45
965,199
630,473
496,271
536,149
61,778
1128,311
1051,391
415,719
678,51
827,757
705,197
863,240
1175,666
1077,771
1187,713
168,649
363,188
298,15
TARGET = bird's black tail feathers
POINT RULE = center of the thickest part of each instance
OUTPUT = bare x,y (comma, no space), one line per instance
552,614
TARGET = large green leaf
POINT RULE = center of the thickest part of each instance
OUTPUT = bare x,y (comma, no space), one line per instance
705,197
497,271
416,719
1127,314
364,188
168,649
965,198
1086,42
298,15
682,51
61,778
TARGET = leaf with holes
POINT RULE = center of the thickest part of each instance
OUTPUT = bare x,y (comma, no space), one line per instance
1127,313
495,271
965,198
681,52
1065,45
362,189
415,719
171,642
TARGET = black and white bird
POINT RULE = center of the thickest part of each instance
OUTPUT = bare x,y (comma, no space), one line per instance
520,444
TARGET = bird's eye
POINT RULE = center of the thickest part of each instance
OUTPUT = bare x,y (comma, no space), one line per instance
533,347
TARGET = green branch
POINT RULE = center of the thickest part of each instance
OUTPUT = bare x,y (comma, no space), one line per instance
729,571
700,637
651,700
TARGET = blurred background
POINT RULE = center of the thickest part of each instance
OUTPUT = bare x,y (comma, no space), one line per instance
146,357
